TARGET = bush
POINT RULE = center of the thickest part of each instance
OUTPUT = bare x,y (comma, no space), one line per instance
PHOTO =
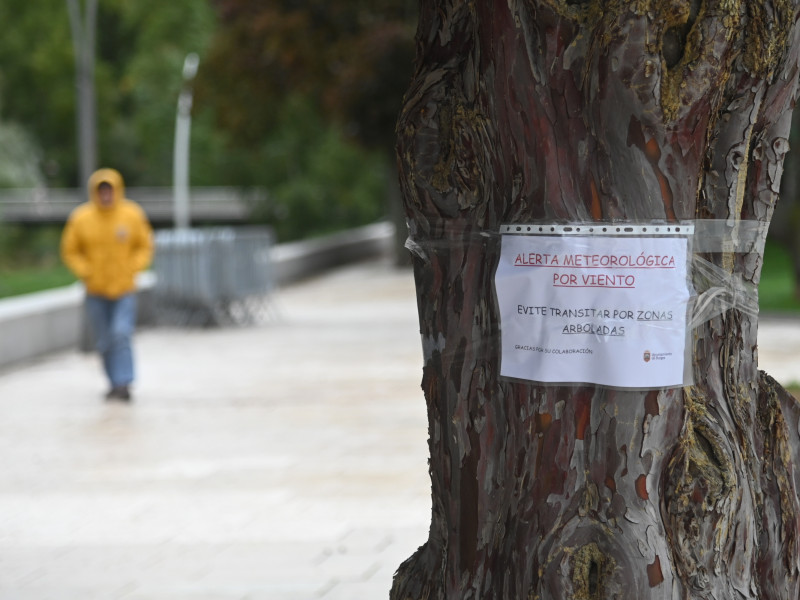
29,260
19,158
29,246
318,182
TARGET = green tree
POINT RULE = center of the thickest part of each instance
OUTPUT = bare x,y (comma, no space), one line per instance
37,80
352,57
142,47
260,69
140,50
316,181
350,61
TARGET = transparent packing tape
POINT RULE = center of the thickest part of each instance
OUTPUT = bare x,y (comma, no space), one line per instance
716,288
718,291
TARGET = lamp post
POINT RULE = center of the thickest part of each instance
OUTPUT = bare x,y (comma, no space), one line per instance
183,124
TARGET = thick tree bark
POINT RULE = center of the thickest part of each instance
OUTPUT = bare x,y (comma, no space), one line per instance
526,110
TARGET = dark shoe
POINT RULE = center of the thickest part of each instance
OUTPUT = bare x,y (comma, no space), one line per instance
121,392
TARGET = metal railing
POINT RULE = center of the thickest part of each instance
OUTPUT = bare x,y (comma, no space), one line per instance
53,205
213,276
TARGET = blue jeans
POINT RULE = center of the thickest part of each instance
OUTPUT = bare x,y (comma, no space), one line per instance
113,323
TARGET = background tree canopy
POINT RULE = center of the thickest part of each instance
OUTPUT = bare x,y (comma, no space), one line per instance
297,97
352,57
140,49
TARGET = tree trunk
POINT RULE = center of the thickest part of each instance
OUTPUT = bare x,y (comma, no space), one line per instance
575,111
83,27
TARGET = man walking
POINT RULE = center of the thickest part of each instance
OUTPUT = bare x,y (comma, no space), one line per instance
106,242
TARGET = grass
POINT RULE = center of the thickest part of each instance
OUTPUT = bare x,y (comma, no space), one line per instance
777,291
793,388
23,280
29,260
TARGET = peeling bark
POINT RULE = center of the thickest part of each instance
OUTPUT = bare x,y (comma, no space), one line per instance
581,110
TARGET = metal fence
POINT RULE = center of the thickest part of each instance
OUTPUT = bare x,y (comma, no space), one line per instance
53,205
213,276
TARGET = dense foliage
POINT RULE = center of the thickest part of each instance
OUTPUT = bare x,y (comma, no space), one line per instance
352,57
309,92
343,64
140,50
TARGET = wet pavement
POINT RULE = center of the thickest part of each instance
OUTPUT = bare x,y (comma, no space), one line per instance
282,462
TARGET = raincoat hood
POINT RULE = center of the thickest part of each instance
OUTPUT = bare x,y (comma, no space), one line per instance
111,177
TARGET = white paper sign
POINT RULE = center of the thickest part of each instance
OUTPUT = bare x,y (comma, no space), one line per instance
603,310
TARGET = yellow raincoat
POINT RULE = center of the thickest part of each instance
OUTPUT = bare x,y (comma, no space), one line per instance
106,246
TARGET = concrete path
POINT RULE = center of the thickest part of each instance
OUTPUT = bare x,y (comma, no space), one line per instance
283,462
779,349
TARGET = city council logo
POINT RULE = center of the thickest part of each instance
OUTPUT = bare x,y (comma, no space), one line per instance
646,356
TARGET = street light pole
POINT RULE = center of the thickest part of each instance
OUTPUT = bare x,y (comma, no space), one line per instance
183,125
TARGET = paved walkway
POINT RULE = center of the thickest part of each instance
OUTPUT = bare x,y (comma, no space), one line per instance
284,462
779,349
